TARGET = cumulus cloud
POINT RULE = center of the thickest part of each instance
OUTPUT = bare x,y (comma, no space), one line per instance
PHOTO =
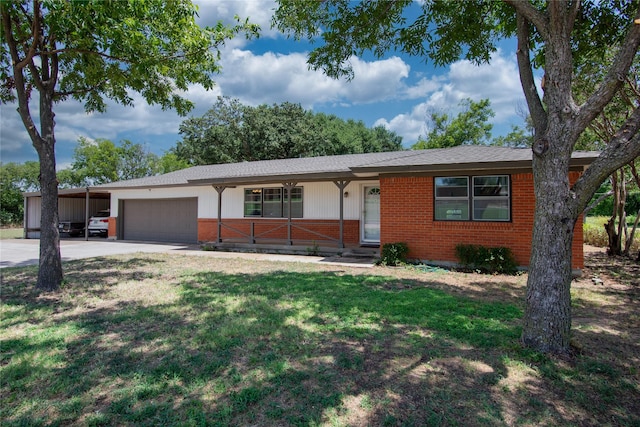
497,81
256,11
273,78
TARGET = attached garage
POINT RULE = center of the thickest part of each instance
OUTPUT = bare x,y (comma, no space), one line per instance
159,220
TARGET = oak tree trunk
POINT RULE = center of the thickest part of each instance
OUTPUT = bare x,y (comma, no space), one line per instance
547,317
50,271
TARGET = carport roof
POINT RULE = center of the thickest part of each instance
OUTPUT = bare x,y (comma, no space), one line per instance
350,166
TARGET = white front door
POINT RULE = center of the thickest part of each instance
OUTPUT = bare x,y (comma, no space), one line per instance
371,215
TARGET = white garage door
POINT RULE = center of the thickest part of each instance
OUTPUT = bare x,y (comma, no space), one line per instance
160,220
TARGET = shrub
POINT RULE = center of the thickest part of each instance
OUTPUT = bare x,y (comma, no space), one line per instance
491,260
394,253
594,234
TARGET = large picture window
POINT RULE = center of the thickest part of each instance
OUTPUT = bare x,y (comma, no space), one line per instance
477,198
272,202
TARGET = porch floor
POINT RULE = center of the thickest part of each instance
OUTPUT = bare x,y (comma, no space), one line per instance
298,248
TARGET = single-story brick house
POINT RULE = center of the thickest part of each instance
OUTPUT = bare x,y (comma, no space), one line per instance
430,199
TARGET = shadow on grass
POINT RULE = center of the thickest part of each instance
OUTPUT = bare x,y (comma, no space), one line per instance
282,348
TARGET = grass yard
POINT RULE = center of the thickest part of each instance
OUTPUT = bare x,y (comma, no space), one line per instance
11,233
177,340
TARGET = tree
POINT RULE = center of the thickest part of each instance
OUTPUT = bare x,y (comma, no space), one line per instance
233,132
602,130
471,126
15,179
516,138
555,36
96,162
101,161
169,162
89,51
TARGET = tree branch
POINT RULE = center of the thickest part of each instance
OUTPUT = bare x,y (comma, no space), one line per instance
536,109
539,20
573,14
613,80
35,30
621,149
18,77
596,202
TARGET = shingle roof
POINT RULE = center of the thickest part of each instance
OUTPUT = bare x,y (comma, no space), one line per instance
345,166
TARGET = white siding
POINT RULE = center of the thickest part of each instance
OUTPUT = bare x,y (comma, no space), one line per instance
207,198
320,199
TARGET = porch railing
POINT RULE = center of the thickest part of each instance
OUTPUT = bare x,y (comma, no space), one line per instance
268,232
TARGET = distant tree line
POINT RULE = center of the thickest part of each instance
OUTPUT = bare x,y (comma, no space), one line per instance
232,132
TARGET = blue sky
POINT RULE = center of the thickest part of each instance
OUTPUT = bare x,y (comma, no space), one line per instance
398,92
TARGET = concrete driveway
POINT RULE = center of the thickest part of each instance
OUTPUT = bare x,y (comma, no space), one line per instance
22,252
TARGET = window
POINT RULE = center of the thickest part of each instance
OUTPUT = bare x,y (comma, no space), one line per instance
488,199
491,198
272,202
452,198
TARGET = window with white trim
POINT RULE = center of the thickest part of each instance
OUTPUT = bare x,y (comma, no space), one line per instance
475,198
272,202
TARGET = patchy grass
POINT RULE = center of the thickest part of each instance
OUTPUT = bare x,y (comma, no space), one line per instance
11,233
177,340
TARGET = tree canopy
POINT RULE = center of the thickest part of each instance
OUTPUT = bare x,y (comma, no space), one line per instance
470,126
233,132
559,37
92,51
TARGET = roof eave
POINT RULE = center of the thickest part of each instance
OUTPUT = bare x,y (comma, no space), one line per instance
274,179
471,166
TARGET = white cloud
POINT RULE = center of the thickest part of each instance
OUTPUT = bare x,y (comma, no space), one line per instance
497,81
410,126
257,11
273,78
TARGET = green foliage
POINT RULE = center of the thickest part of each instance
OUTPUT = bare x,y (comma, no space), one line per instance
156,49
594,233
394,253
469,127
491,260
16,178
233,132
101,162
516,138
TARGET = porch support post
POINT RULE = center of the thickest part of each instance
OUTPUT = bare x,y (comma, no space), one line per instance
288,186
86,215
341,186
219,189
25,217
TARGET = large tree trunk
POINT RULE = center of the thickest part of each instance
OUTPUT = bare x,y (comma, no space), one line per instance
50,272
547,318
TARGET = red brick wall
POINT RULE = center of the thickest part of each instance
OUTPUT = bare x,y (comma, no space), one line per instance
406,214
277,229
112,233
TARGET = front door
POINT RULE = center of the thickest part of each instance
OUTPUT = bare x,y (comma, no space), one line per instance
371,215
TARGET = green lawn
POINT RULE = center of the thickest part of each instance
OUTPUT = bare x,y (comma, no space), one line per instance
176,340
11,233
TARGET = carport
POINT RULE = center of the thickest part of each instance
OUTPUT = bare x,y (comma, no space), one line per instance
75,205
